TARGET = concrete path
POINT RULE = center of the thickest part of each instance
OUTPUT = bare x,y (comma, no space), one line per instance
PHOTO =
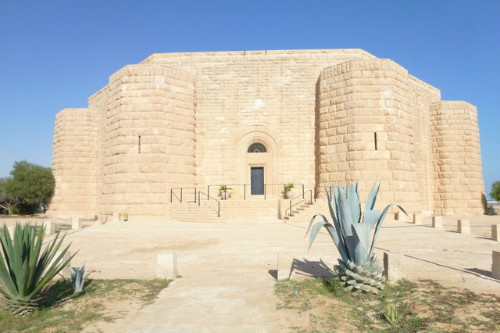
227,281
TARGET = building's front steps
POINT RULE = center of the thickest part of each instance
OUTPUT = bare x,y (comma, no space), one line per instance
233,211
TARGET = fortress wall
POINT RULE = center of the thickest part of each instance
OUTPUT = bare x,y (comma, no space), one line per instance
74,164
99,102
458,177
149,139
422,95
238,92
358,100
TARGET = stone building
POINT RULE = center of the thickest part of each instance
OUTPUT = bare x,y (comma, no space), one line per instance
256,120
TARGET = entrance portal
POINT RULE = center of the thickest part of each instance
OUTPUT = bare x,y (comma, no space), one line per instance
257,180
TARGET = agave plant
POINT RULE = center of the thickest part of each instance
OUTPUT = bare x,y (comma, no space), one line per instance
25,269
351,232
78,278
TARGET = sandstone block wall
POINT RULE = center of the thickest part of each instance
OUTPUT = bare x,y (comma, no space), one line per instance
149,139
459,186
367,129
267,95
74,163
324,116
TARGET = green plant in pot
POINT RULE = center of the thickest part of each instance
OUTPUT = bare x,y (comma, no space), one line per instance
351,231
224,192
287,189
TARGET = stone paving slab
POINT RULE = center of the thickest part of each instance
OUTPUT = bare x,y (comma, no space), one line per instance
227,281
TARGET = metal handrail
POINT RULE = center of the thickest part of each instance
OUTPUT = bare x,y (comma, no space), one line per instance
208,199
229,185
245,188
172,193
289,209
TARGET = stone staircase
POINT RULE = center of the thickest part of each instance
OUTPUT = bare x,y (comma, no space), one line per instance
191,212
230,211
305,211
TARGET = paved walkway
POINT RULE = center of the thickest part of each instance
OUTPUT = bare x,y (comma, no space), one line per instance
227,281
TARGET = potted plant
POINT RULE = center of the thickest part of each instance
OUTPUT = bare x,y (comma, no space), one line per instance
288,190
224,192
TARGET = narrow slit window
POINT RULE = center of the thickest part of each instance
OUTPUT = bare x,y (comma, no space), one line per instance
375,140
139,145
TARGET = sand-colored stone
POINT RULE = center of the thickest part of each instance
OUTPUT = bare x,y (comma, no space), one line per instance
495,264
49,227
495,232
417,218
393,266
166,266
463,226
186,120
76,223
285,267
437,222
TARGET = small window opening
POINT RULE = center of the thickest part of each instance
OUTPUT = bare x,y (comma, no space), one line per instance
257,148
375,140
139,145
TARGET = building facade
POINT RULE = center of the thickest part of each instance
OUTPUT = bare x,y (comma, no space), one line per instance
309,117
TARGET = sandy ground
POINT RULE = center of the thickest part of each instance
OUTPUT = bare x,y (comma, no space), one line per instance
228,270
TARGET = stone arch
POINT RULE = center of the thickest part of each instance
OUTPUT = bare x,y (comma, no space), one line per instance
268,160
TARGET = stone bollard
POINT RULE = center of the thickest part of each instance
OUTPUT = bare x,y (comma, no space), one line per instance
495,264
49,227
397,215
417,218
437,222
495,232
463,226
116,217
285,269
166,266
76,223
393,266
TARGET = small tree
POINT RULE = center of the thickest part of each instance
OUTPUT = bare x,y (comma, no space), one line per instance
31,185
495,191
7,202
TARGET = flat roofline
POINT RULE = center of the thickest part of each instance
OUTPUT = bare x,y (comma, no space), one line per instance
258,52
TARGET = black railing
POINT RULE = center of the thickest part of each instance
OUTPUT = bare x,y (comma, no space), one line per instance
289,210
182,194
208,199
267,188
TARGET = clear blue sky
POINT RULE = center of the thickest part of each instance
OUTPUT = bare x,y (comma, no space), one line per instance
55,54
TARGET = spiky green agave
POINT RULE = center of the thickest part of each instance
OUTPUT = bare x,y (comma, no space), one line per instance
25,269
350,230
78,278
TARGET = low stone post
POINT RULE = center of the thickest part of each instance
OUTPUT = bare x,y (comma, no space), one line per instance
437,222
397,215
393,266
463,226
495,264
166,266
417,218
76,223
116,217
495,232
285,268
49,227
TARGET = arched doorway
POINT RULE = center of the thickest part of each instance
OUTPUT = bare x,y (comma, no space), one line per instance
257,173
258,154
